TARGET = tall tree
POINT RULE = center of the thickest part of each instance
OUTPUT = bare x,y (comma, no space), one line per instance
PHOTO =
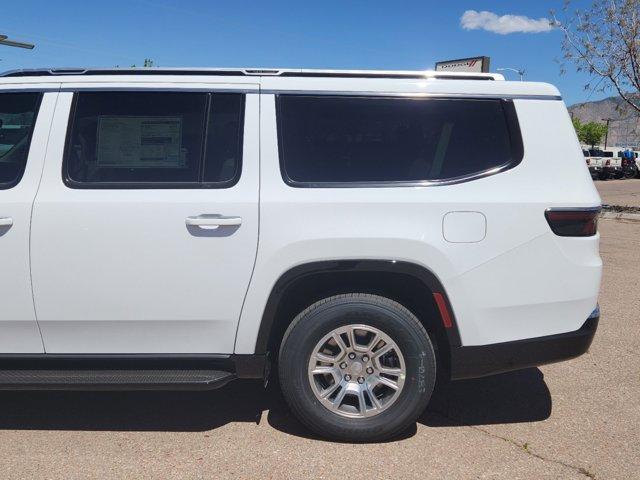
604,41
591,133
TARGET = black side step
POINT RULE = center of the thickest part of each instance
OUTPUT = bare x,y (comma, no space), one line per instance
113,379
127,372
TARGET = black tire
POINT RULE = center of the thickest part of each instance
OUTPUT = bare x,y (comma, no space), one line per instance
311,325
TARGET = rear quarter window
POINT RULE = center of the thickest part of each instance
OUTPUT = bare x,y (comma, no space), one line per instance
342,140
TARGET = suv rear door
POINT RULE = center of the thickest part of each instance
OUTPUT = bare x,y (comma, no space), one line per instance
25,119
144,238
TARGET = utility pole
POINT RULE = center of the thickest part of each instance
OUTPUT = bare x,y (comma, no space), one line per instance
11,43
606,134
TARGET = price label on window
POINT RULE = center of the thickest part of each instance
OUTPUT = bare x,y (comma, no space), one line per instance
140,142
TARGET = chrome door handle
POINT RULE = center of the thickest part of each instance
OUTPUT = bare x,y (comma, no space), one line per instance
213,221
6,221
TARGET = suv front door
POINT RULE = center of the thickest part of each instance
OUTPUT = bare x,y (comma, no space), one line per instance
138,247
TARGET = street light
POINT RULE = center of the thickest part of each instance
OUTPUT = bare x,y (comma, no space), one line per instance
518,71
11,43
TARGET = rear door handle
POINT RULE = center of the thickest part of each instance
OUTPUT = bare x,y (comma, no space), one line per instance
213,221
6,221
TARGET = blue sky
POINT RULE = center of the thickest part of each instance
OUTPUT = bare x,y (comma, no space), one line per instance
321,34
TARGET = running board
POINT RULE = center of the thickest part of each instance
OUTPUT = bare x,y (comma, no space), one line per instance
127,372
121,379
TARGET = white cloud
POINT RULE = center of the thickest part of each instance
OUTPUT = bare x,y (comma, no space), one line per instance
505,24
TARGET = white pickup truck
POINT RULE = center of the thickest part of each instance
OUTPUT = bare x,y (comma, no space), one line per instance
594,164
607,164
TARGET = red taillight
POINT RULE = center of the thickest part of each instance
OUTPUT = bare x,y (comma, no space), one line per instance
568,222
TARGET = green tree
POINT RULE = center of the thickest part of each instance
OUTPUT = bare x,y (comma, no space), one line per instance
148,63
578,127
591,133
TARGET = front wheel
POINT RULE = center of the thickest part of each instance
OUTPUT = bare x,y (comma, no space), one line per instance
357,367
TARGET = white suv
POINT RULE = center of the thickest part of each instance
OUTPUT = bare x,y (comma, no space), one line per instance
363,231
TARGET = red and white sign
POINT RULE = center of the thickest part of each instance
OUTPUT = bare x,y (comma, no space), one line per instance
475,64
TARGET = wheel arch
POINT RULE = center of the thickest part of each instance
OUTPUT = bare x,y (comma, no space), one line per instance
410,284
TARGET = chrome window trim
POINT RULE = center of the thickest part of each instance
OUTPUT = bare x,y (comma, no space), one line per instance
184,88
28,89
361,93
401,184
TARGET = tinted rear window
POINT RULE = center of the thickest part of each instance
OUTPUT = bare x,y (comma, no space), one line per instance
17,118
341,139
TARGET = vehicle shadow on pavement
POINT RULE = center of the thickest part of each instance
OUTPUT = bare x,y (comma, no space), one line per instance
513,397
507,398
184,411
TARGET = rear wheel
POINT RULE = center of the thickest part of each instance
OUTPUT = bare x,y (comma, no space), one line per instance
357,367
631,172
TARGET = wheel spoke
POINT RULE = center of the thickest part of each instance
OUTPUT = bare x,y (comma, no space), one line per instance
390,371
338,400
362,404
323,357
322,369
352,337
386,381
373,342
329,390
341,345
386,349
374,400
354,344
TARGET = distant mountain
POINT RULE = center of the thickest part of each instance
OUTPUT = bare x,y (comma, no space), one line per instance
624,130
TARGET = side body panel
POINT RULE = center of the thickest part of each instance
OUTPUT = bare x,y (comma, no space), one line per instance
518,281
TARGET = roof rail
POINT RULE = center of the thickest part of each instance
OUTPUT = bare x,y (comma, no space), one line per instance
282,72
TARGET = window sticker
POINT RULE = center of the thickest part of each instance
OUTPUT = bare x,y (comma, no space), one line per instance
140,142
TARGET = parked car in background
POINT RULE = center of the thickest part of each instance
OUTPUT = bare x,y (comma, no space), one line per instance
593,164
630,163
628,160
614,164
610,164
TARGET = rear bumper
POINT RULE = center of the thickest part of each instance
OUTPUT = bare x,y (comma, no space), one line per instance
482,360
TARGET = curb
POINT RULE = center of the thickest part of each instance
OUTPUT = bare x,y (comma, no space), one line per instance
612,215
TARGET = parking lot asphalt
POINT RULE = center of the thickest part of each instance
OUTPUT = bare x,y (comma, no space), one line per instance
578,419
625,193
